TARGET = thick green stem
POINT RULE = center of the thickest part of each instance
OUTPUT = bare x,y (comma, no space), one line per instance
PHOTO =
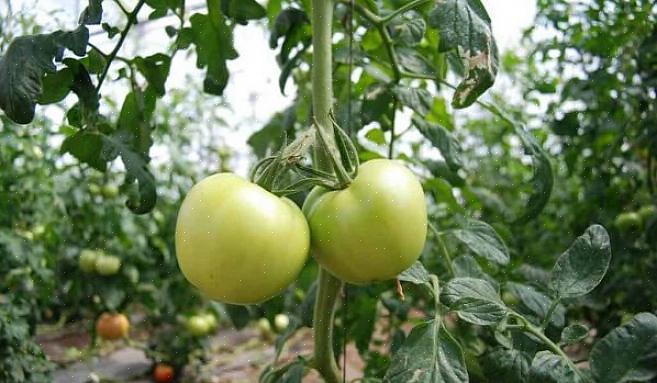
322,99
327,294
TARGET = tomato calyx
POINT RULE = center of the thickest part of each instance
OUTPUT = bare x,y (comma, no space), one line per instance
341,155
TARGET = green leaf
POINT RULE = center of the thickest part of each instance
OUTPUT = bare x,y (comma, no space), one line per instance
429,354
412,61
542,180
474,300
508,366
420,100
93,13
239,315
214,47
407,31
467,266
24,64
483,240
574,333
376,135
56,86
87,147
441,139
465,27
627,353
155,69
377,105
416,274
537,303
243,10
550,368
581,268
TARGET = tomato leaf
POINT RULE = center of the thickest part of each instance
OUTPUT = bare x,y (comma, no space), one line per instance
465,27
550,368
155,69
508,366
415,274
483,240
429,354
24,64
408,31
214,47
543,179
243,10
420,100
474,300
574,333
441,139
627,353
92,13
581,268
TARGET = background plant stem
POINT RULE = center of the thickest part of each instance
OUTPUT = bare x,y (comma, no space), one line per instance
322,94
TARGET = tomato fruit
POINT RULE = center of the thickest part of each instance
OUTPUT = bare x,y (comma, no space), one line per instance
239,243
87,261
281,321
629,222
163,373
110,191
647,213
107,264
372,230
112,326
198,325
211,319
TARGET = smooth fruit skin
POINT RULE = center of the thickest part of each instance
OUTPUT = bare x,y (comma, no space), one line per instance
372,230
237,242
87,260
647,213
163,373
629,222
107,264
198,325
112,326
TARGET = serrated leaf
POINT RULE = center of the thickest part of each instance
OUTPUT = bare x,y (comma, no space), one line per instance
474,300
581,268
243,10
415,274
628,353
508,366
24,64
537,303
574,333
429,354
483,240
441,139
214,47
420,100
550,368
542,180
465,27
92,14
155,69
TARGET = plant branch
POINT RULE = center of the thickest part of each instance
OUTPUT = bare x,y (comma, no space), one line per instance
548,316
322,99
132,19
122,7
403,9
443,250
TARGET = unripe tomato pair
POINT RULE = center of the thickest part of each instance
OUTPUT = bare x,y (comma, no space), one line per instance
200,325
239,243
91,261
632,222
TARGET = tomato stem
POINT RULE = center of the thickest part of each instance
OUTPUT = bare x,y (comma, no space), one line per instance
322,99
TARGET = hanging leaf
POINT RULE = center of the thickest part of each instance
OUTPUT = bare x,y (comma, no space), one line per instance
420,100
465,27
243,10
581,268
93,13
429,354
24,64
441,139
407,31
415,274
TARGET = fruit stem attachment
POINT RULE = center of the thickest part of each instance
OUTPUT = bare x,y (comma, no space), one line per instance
322,99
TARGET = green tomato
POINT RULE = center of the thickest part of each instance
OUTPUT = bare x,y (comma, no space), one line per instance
107,264
237,242
372,230
629,222
265,327
110,191
211,319
197,325
647,213
87,261
281,321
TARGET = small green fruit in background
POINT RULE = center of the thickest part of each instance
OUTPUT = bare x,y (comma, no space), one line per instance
107,264
281,321
87,261
629,222
197,325
647,213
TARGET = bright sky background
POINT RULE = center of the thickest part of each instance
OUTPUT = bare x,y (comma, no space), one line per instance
253,88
